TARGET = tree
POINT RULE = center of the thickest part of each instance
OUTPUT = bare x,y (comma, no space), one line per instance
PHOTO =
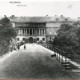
67,36
7,33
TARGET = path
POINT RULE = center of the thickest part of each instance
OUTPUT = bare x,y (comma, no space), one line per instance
33,63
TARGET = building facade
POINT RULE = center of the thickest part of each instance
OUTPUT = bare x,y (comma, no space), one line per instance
37,29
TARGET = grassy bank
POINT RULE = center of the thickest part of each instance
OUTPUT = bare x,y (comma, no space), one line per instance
71,52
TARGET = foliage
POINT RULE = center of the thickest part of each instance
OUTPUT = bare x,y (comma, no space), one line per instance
67,36
67,40
7,32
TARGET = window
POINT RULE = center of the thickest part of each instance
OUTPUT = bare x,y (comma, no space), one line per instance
37,31
33,31
43,39
24,39
40,31
37,39
17,39
27,31
43,32
30,31
23,31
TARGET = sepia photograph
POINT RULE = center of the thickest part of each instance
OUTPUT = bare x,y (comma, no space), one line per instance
40,39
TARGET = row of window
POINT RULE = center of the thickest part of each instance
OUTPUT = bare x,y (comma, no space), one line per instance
30,24
31,31
43,39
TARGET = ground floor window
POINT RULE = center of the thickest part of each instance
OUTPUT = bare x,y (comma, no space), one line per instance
17,39
43,39
24,39
37,39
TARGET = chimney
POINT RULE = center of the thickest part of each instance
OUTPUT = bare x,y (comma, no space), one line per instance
12,16
46,15
55,15
61,15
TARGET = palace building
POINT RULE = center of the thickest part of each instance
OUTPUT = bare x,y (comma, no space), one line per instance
37,29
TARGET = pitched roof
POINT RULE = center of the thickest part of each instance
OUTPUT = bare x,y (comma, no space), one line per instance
39,19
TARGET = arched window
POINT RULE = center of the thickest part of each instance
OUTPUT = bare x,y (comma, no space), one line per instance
24,39
17,39
37,39
43,39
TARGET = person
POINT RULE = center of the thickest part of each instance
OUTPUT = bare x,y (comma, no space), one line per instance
14,47
24,46
18,47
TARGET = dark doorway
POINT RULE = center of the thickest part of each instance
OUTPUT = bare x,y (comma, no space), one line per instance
30,40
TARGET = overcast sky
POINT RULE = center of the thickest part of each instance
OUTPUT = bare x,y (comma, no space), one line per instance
40,8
